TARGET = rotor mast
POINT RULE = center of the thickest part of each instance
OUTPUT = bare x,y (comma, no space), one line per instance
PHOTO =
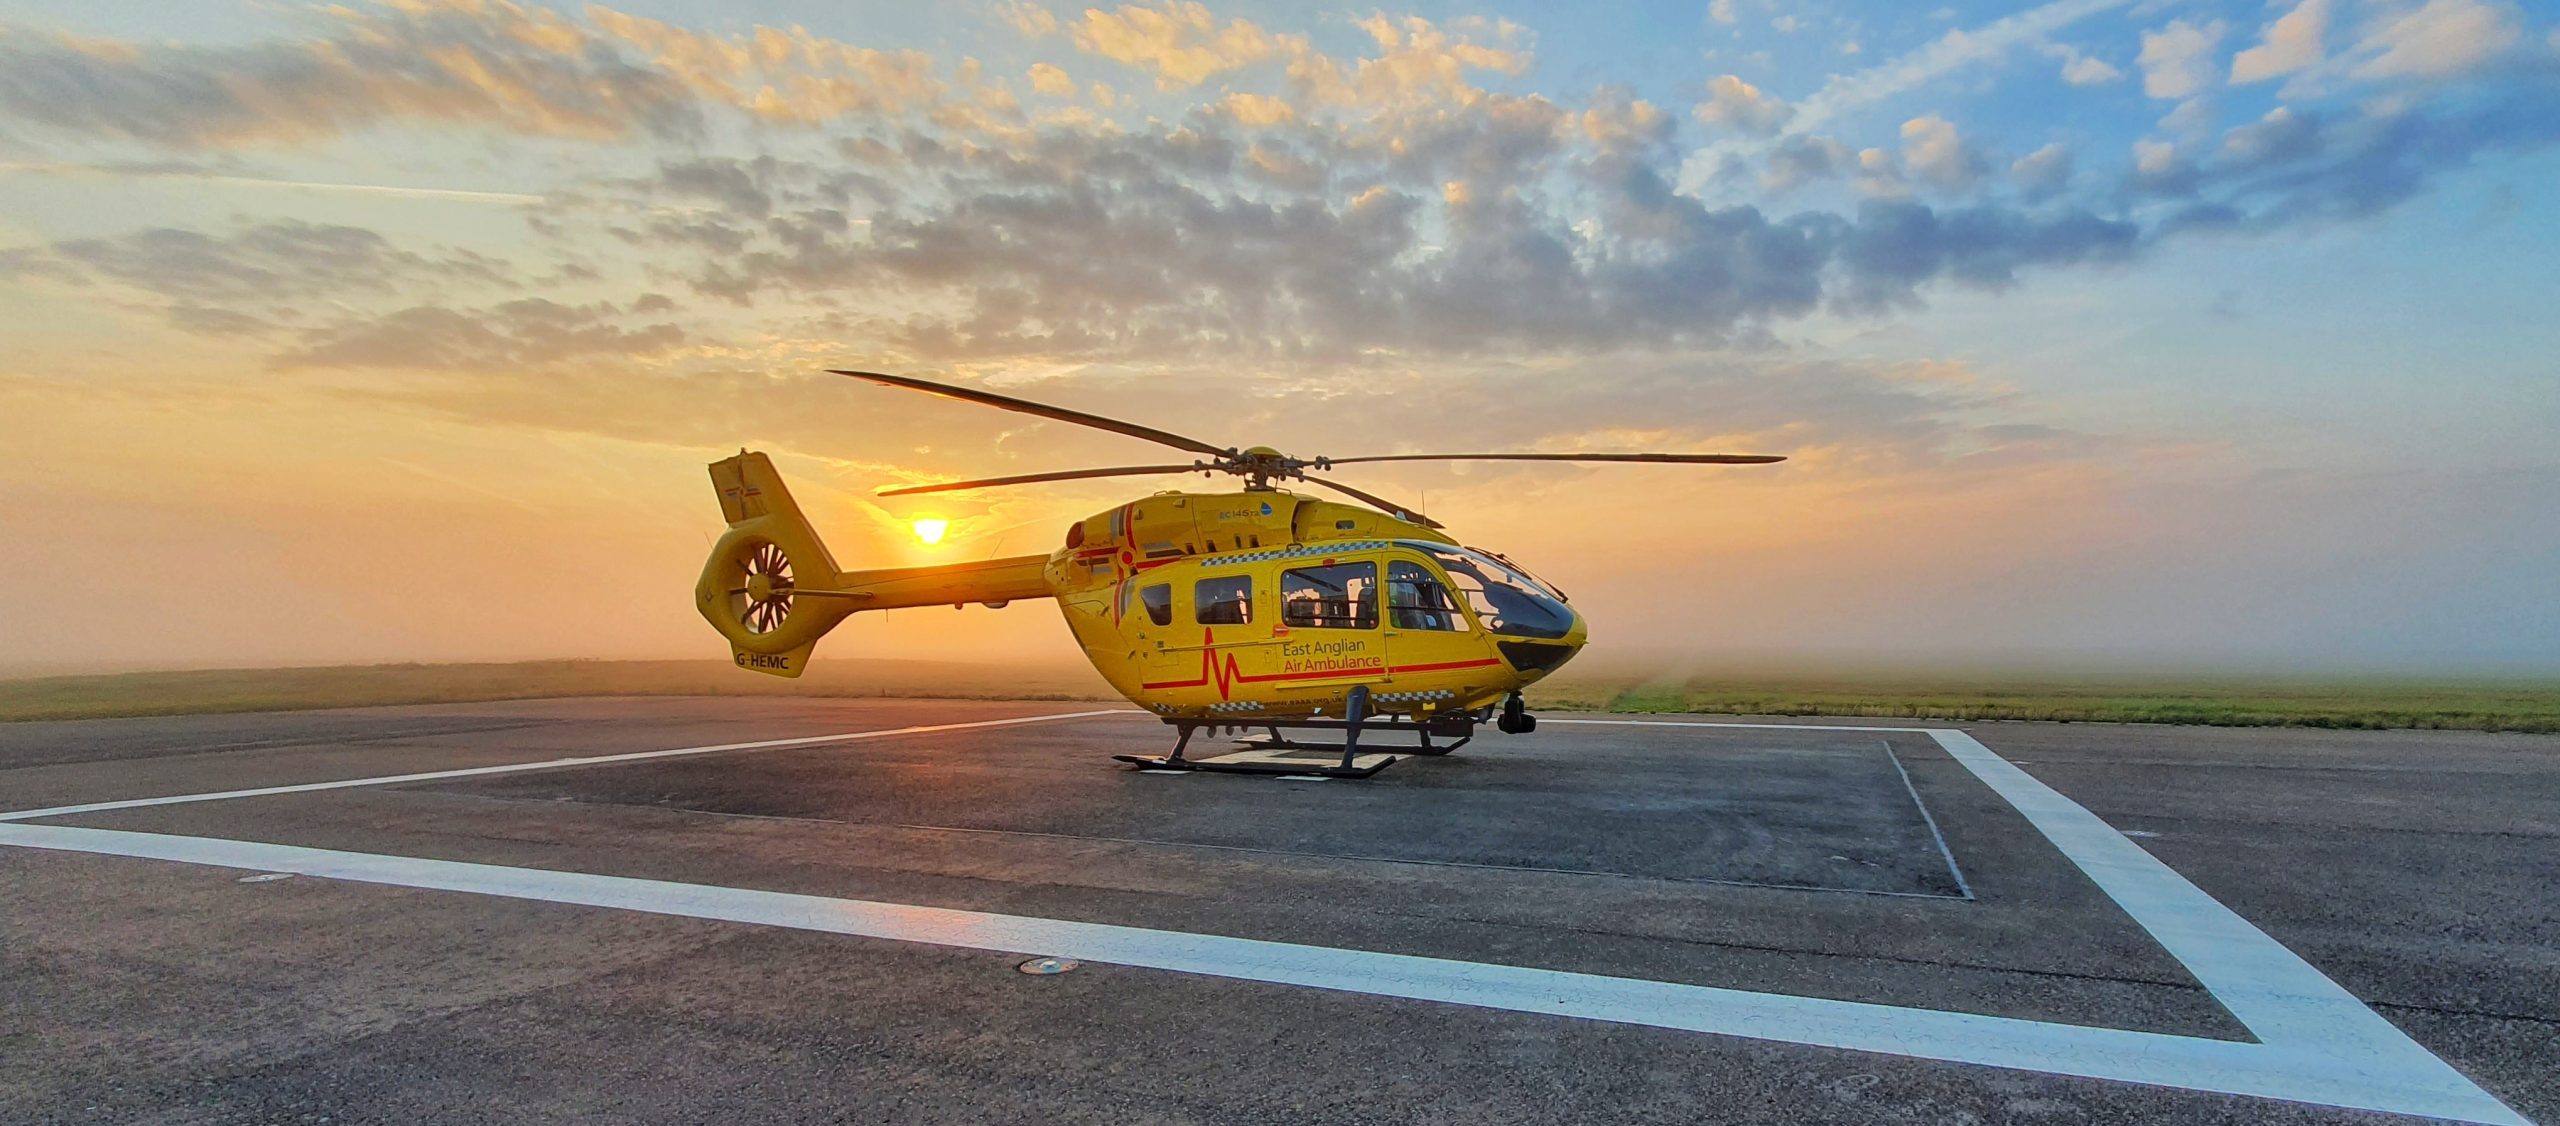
1259,465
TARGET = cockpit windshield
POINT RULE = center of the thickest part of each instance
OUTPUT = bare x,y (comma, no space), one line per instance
1506,600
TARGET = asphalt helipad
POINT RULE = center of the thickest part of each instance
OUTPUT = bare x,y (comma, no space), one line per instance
697,909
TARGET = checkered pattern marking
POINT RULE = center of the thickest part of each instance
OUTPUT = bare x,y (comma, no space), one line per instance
1404,697
1294,551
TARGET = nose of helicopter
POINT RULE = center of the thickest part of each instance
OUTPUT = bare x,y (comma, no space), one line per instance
1532,660
1572,640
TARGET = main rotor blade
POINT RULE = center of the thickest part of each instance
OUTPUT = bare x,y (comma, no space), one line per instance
1374,501
1673,459
1025,406
1028,478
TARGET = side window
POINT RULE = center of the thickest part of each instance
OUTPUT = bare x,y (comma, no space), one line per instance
1226,600
1417,600
1341,596
1158,600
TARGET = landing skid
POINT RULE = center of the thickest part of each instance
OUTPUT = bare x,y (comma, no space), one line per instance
1296,764
1279,755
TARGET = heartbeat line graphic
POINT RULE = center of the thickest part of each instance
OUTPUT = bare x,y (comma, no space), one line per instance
1220,669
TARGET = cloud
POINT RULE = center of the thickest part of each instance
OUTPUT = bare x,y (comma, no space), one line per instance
1257,109
2192,117
527,332
1800,160
2088,71
2295,167
2281,135
2043,172
1199,241
2083,70
1050,81
2164,170
1619,123
2177,60
1180,43
1419,65
1276,164
263,264
2438,40
230,172
2297,39
1955,50
1375,206
1739,105
1934,151
737,187
492,64
1895,247
773,73
1880,175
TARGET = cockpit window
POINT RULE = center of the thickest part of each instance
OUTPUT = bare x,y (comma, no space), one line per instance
1338,596
1224,600
1417,600
1507,601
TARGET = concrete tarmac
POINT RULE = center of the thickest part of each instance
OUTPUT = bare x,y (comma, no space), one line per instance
2414,869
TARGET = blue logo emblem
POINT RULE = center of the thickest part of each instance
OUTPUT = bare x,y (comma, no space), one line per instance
1266,508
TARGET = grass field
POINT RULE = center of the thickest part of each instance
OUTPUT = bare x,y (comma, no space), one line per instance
349,686
2224,701
2483,704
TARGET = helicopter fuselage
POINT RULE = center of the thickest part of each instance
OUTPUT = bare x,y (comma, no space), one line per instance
1266,604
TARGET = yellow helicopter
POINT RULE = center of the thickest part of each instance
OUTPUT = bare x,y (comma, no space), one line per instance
1259,608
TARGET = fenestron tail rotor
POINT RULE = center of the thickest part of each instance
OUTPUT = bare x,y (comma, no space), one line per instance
762,600
1259,465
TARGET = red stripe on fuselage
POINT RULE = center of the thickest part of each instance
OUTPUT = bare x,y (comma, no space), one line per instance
1225,673
1447,665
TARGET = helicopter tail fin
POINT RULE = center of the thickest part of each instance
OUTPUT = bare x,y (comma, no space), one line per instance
772,590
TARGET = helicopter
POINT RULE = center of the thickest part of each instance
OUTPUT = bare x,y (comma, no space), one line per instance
1258,608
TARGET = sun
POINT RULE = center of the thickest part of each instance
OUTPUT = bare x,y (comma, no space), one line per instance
930,529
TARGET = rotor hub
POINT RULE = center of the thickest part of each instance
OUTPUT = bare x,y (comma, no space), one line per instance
1260,465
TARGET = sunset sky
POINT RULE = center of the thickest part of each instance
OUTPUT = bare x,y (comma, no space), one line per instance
2165,332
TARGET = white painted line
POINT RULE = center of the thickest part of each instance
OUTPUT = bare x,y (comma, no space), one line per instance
1542,720
2316,1042
2282,998
1944,853
547,764
2284,1001
2234,1067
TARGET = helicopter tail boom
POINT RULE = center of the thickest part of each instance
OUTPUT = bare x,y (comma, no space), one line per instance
772,590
